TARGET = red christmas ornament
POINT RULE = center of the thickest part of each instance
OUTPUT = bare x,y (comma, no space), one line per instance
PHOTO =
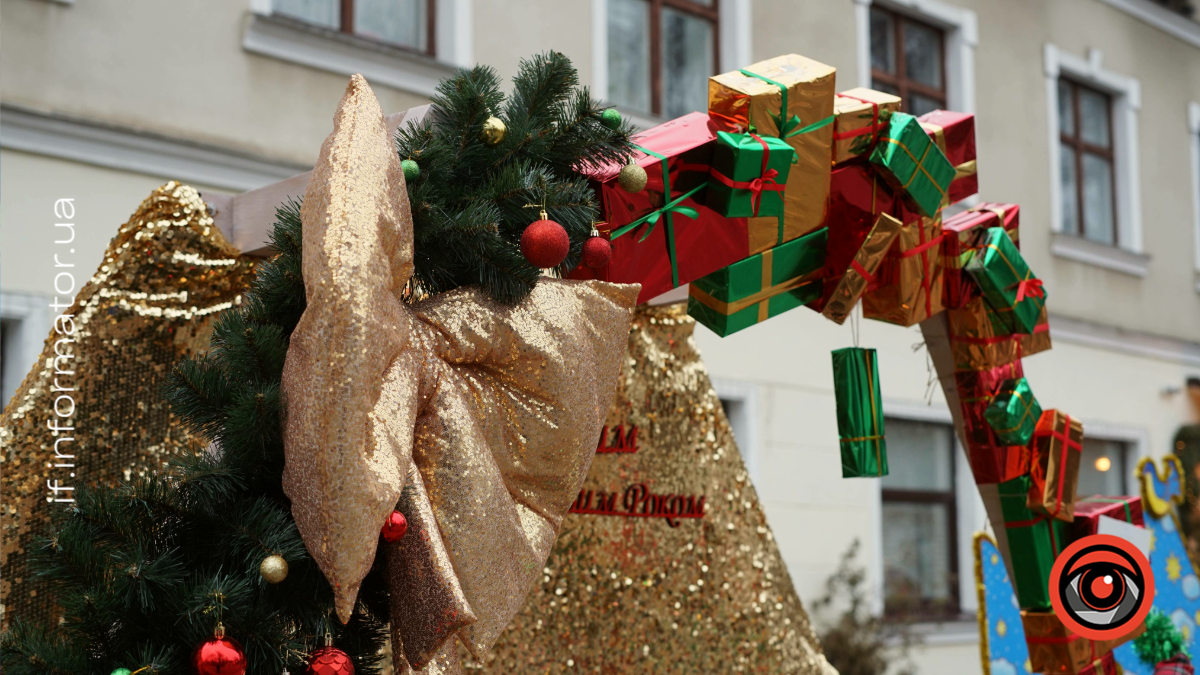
395,527
545,243
219,656
597,252
330,660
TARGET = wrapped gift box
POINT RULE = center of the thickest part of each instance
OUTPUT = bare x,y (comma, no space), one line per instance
910,278
790,97
859,413
980,339
860,116
964,234
1034,541
748,175
1007,282
991,460
1053,648
913,164
1089,509
658,240
1014,412
1054,467
860,275
954,134
1105,665
764,285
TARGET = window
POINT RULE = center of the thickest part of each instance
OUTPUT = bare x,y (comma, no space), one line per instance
1102,468
1086,161
661,54
920,544
908,60
404,23
7,333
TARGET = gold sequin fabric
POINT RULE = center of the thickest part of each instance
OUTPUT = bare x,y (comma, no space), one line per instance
647,593
164,278
487,413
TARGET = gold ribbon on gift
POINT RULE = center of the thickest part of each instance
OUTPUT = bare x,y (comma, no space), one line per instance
1025,416
920,165
761,298
963,170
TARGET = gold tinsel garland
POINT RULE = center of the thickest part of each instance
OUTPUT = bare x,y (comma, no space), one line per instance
164,278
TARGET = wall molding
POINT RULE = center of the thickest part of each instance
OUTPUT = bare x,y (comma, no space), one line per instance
334,52
80,140
1169,22
1134,343
1112,258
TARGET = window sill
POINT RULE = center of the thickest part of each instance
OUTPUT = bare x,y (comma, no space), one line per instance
1100,255
323,49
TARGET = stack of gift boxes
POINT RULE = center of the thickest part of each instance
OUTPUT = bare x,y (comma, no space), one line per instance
788,194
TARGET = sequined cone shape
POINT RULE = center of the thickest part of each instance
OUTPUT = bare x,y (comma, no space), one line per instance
490,412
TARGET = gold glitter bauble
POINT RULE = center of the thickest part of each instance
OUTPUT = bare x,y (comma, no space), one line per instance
493,131
274,569
632,178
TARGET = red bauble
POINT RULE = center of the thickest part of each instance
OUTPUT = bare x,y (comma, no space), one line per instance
219,656
597,253
545,244
330,661
395,527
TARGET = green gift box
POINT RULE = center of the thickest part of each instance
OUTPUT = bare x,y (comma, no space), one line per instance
748,175
764,285
1034,541
859,413
1008,284
1014,412
910,160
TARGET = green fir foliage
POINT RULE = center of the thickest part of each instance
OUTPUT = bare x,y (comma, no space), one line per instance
469,200
144,571
1161,641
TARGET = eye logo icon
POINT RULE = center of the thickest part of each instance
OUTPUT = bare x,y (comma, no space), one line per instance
1101,587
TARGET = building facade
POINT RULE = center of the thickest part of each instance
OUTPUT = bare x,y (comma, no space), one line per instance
1088,116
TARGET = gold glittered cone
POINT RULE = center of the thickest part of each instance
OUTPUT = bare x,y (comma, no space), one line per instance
490,412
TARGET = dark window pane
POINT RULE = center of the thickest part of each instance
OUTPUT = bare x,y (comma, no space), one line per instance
319,12
1070,194
629,53
401,22
1102,468
1098,199
1066,110
919,105
920,456
885,88
687,61
916,555
923,54
883,41
1093,116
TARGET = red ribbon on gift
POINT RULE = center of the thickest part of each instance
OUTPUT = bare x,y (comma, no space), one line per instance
1035,521
873,129
922,250
872,282
1030,288
756,187
1067,445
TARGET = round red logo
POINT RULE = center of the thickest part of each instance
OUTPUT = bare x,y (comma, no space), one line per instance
1101,587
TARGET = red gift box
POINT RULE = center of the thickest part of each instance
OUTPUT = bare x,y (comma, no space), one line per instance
954,134
963,236
1089,509
662,240
991,460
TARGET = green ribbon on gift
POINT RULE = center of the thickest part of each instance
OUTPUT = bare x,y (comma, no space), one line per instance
666,212
788,127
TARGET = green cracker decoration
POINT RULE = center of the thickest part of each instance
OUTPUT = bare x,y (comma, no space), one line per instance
859,413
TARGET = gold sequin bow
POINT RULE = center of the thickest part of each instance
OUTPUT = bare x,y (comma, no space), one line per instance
488,413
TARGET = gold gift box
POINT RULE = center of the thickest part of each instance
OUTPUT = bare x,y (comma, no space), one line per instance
1055,649
853,284
861,116
737,100
911,279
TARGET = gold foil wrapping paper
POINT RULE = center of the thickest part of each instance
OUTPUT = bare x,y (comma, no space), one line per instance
736,100
911,280
979,342
862,116
629,594
490,412
164,277
853,284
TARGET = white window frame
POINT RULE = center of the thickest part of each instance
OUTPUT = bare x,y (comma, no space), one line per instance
333,52
734,37
1128,256
743,420
970,513
961,27
1194,135
30,316
1136,438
